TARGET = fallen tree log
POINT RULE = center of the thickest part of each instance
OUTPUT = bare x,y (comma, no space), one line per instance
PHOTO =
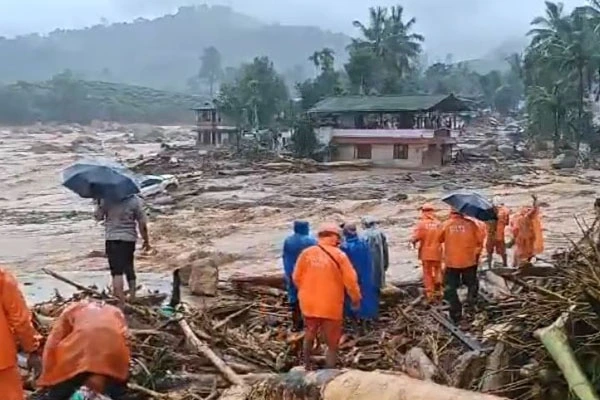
207,351
277,281
555,340
349,385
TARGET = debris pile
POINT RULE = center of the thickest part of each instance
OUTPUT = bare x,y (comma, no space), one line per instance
243,336
539,339
229,161
549,327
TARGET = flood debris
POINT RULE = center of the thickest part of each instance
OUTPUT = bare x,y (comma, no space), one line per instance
537,339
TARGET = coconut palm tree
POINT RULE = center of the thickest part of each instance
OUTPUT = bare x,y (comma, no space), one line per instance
387,46
373,33
402,46
556,101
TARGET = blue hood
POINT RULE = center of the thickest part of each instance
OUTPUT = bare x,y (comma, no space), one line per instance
350,235
301,227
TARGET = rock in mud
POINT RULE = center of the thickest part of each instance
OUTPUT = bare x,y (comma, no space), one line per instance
204,278
399,197
506,149
565,160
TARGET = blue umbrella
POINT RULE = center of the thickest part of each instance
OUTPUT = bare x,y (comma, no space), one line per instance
471,204
99,180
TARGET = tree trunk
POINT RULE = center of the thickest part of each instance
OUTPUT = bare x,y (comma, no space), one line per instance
556,138
351,384
580,109
598,90
555,340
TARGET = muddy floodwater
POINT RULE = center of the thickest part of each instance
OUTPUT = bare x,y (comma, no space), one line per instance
238,222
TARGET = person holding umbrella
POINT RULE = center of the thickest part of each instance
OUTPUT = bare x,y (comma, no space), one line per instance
462,239
120,222
121,210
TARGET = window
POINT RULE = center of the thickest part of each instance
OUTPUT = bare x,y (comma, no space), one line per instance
400,152
362,151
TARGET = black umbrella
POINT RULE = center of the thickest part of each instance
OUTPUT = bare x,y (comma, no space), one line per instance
471,204
99,180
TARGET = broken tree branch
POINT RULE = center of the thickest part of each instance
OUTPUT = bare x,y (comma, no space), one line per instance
207,351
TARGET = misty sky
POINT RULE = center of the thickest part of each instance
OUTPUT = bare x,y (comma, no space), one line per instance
465,28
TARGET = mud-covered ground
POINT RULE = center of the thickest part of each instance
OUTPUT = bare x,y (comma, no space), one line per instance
237,221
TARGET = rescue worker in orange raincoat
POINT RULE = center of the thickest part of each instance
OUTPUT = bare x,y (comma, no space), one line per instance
483,236
463,241
322,274
425,236
495,235
527,233
15,328
86,347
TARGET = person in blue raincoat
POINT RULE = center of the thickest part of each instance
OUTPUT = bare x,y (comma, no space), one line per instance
292,247
357,250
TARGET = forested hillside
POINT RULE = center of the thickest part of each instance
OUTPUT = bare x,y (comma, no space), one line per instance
165,52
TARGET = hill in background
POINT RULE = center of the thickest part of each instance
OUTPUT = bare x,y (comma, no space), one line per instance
164,52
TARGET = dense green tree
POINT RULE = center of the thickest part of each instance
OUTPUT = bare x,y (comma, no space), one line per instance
564,48
258,92
211,69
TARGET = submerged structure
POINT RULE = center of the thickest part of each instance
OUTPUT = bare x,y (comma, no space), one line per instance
396,131
209,126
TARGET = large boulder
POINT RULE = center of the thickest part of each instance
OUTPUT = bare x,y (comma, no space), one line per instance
204,278
565,160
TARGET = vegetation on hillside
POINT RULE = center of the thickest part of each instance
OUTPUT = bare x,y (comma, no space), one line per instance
66,98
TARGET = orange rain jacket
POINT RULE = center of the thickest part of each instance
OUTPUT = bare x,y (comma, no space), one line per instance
527,233
503,214
87,337
321,274
463,241
426,234
15,322
483,232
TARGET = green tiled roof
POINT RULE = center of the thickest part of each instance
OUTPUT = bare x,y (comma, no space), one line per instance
389,104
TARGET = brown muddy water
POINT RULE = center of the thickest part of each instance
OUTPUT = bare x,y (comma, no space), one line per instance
42,224
240,225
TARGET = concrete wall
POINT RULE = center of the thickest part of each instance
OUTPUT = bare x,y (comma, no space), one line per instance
383,155
432,156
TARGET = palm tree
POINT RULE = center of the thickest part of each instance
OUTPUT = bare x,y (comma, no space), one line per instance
315,58
550,29
374,33
403,47
390,39
556,101
326,59
566,44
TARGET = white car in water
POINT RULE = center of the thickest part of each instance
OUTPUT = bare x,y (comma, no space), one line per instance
151,185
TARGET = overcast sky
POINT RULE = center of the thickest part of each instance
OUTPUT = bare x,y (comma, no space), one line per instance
465,28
